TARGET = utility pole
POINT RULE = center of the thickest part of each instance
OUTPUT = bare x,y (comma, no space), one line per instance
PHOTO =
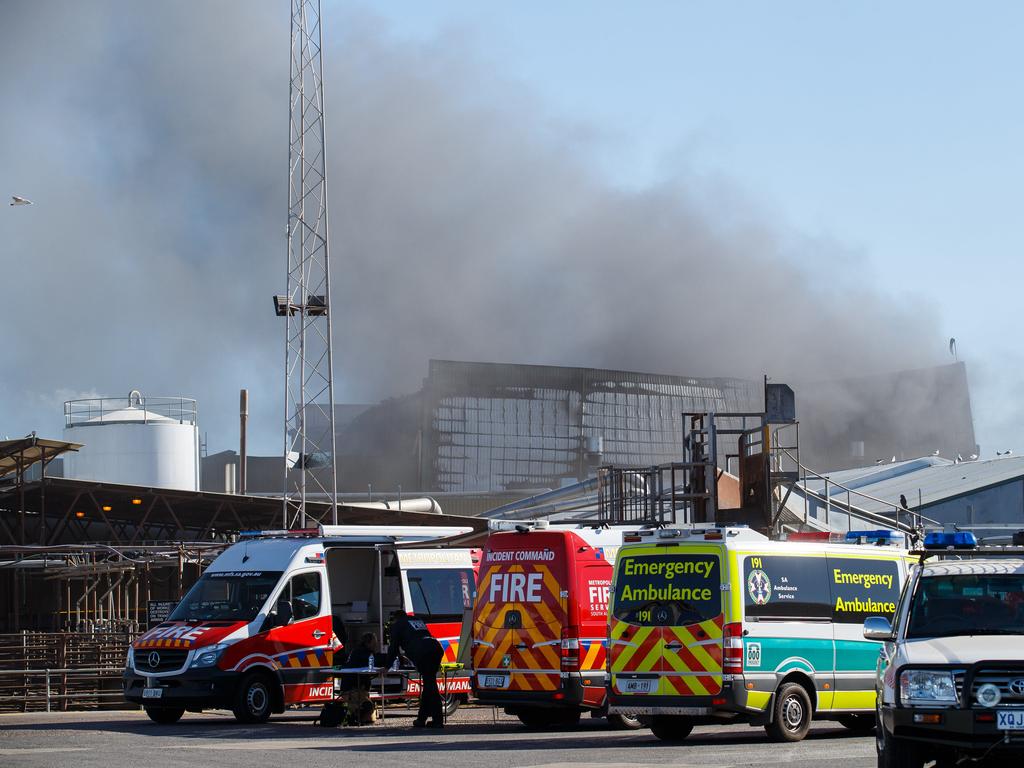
309,461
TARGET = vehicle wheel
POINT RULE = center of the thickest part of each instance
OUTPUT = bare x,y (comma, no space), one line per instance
791,714
451,704
624,722
671,727
253,699
165,715
896,753
857,723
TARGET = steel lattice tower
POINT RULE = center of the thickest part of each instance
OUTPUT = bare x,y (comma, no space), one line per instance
309,380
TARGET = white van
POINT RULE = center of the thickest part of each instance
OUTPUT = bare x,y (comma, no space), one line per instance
261,628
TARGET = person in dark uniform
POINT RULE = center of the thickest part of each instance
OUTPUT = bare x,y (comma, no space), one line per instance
410,635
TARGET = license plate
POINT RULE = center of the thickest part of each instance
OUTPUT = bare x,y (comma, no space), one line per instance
152,693
1009,720
646,685
495,681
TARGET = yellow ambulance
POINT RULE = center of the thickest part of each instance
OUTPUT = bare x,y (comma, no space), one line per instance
722,625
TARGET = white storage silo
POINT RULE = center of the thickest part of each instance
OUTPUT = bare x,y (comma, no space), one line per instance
151,441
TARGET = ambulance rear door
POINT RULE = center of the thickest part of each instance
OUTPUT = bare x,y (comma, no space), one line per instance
666,621
520,612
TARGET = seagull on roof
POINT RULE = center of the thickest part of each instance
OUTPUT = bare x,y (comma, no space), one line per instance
893,459
972,457
935,453
15,200
879,461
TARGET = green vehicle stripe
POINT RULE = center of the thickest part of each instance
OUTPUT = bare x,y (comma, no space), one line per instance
856,655
781,654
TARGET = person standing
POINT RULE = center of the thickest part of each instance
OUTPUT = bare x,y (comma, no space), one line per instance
411,636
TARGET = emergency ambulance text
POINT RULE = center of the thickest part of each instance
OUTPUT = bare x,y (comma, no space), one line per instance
668,569
866,580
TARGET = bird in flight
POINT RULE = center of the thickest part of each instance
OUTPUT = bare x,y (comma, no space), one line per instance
15,200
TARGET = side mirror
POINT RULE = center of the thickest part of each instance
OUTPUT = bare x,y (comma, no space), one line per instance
877,628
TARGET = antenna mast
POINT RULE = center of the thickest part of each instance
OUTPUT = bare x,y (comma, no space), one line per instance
309,461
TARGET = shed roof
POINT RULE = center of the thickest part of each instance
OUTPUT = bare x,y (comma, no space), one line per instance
936,478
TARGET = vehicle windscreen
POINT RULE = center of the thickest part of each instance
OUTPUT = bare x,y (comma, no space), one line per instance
441,593
968,604
667,590
227,596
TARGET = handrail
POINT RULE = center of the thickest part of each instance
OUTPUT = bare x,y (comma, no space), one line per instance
184,410
852,510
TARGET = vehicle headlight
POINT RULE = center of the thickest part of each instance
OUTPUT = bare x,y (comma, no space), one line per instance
925,686
129,660
207,657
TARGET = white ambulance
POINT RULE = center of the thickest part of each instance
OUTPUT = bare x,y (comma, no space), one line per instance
261,628
716,625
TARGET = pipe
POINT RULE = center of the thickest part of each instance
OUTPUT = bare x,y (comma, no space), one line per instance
424,504
243,417
531,501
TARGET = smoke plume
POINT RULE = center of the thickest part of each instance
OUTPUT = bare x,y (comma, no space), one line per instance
466,222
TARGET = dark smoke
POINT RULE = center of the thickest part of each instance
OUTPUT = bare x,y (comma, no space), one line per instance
466,224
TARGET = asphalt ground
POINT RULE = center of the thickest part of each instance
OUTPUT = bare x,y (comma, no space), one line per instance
476,737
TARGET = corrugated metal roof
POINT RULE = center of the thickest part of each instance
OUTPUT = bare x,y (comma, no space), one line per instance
937,479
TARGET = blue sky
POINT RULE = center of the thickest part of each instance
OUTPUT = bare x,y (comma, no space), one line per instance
891,129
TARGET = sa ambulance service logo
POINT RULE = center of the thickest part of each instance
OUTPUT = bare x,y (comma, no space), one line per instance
759,586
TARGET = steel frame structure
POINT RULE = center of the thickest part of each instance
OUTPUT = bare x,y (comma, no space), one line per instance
306,306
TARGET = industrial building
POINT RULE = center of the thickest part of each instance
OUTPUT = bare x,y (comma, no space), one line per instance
494,431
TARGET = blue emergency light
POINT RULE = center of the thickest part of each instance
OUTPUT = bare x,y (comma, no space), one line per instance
880,536
950,540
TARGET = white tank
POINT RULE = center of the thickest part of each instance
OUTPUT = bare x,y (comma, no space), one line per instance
137,440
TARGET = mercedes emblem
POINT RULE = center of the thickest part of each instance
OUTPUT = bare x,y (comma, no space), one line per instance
153,659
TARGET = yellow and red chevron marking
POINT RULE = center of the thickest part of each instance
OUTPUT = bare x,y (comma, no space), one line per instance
451,650
694,656
319,657
164,644
523,681
540,633
593,654
635,649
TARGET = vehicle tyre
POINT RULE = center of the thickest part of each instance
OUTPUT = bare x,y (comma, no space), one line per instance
624,722
451,704
253,699
791,714
857,723
896,753
165,715
671,727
